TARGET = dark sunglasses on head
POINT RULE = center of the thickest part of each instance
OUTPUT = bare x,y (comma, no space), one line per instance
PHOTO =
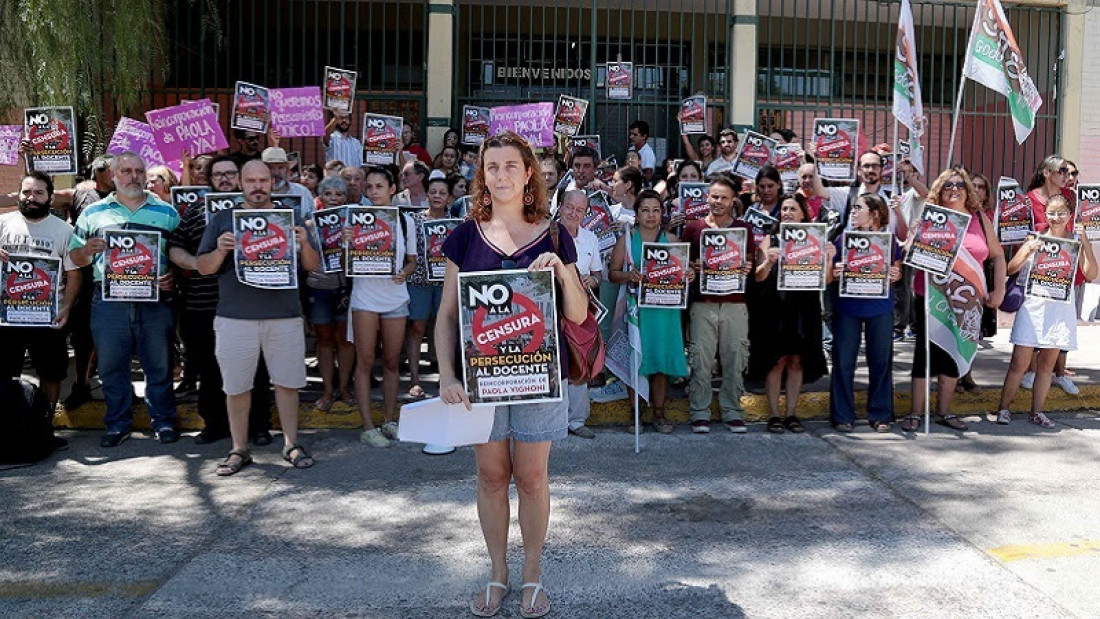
954,185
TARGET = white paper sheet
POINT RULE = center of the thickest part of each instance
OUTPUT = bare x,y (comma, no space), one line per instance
432,421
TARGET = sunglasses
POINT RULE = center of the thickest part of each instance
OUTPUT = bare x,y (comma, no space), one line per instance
1063,171
949,185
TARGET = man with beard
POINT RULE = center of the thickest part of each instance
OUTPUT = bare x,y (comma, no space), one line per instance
251,321
34,231
339,143
279,165
249,146
727,148
869,174
122,328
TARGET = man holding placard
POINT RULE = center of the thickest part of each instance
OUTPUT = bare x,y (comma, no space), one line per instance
252,318
121,328
27,236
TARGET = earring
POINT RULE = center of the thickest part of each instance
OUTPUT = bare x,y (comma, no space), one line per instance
528,199
486,198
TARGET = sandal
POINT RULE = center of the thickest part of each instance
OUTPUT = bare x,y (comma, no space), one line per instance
911,423
775,425
952,421
792,424
416,392
880,426
301,459
534,612
484,610
843,428
664,426
323,404
349,400
227,467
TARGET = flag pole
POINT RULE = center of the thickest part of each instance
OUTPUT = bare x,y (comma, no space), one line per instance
894,154
955,120
634,366
927,356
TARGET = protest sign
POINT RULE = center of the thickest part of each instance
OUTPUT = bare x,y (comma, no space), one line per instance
1013,218
620,80
725,267
755,152
1052,268
1088,211
266,253
802,257
867,257
381,138
693,115
762,224
435,233
936,239
599,221
10,135
475,124
251,108
291,201
569,115
372,249
328,228
29,296
221,201
187,197
52,135
339,89
136,136
694,200
788,158
509,325
533,121
836,142
606,170
664,275
297,112
191,126
585,141
131,265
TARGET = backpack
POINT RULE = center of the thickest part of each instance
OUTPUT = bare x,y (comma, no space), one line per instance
26,423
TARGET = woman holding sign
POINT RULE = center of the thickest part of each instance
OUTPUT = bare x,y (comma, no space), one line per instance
1043,324
785,326
859,308
379,309
662,336
508,229
963,294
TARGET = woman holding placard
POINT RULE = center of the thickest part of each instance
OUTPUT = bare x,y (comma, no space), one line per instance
954,190
662,337
425,293
705,153
1046,325
785,329
508,229
870,317
380,309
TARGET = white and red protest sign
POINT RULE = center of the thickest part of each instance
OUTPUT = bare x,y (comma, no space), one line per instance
1052,269
756,151
251,108
694,200
867,259
936,239
372,249
29,295
328,226
266,253
836,141
693,115
131,265
381,138
1088,211
664,275
1013,218
475,124
725,267
620,80
435,234
52,134
569,115
802,256
340,89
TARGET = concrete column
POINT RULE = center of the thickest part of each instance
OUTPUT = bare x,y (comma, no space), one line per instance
741,80
439,87
1072,81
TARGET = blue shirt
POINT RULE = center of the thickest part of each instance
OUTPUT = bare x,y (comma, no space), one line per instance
154,215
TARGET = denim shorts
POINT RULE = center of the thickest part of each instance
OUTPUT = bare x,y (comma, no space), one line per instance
321,306
532,423
424,301
398,312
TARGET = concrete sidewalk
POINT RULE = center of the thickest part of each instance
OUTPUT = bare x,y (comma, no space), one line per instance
997,522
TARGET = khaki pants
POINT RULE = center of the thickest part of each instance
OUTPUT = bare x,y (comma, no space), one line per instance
721,328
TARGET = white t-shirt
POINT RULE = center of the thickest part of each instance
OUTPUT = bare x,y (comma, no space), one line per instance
382,294
588,252
649,159
46,237
838,201
720,165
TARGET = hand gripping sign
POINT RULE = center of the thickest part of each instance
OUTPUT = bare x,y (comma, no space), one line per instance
836,141
131,265
29,296
756,151
867,259
1052,269
328,227
724,267
664,275
802,256
1013,218
52,135
266,254
339,89
936,240
372,249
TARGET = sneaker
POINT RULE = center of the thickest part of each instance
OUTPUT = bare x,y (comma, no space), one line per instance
113,439
1041,420
80,394
910,334
583,432
898,336
1066,384
700,426
389,430
1004,417
608,393
374,438
1027,380
167,436
737,426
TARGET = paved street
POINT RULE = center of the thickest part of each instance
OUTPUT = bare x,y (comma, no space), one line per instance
998,522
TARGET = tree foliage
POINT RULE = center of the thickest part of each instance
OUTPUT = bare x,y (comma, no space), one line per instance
99,56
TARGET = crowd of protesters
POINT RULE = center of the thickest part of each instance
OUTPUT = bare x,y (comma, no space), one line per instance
234,342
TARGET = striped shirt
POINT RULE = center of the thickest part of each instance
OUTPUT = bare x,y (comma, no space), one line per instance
202,290
345,148
155,215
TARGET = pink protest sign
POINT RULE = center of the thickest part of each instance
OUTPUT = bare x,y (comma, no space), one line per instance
192,126
534,121
134,135
9,144
297,112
